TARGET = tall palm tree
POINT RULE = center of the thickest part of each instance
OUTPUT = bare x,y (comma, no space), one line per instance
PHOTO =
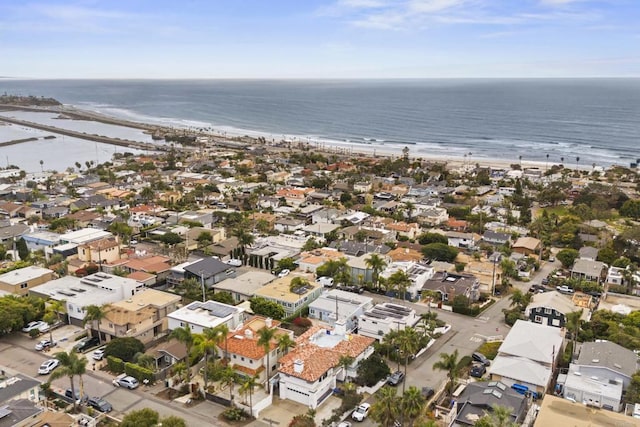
285,342
411,405
185,336
265,336
219,334
228,377
387,407
244,236
400,282
573,325
71,366
95,314
376,263
449,363
408,342
345,361
247,387
52,314
205,343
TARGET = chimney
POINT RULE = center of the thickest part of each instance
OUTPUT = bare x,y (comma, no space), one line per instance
298,366
248,333
340,327
268,322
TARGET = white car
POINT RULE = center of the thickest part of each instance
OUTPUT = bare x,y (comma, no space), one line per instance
98,354
39,325
48,366
325,281
126,381
344,424
44,344
284,273
234,262
361,412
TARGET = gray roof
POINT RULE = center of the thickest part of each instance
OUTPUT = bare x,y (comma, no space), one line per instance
479,397
587,267
208,266
245,284
17,411
16,385
587,252
609,355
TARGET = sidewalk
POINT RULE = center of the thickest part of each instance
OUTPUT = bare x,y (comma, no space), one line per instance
282,411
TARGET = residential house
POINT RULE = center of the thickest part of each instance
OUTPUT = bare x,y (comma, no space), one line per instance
292,300
289,225
592,271
209,271
496,238
105,250
78,293
156,267
417,273
198,316
601,373
528,356
433,216
403,229
247,357
22,280
356,249
449,285
382,318
142,316
309,261
405,254
615,276
551,309
320,230
556,411
340,306
588,253
479,398
9,233
42,240
20,396
244,286
527,246
462,240
310,371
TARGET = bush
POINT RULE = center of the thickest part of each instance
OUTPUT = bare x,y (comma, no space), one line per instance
34,333
124,348
372,370
464,362
235,414
138,372
303,322
490,349
115,364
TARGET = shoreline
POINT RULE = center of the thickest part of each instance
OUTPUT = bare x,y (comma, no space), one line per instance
348,149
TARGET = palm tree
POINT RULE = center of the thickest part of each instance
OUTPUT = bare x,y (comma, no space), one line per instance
185,336
449,363
95,314
409,207
408,342
345,361
247,386
285,342
427,322
400,282
41,165
147,194
205,342
387,407
265,336
52,314
376,263
577,161
228,377
71,365
573,322
520,299
497,416
245,237
411,405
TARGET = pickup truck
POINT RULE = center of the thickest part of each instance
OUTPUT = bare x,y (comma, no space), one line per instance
564,289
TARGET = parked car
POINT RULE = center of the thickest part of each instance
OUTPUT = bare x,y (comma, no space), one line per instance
284,273
86,344
38,324
344,424
234,262
481,358
325,281
478,370
564,289
43,344
98,354
48,366
428,392
69,395
126,381
545,281
396,378
361,412
100,404
552,259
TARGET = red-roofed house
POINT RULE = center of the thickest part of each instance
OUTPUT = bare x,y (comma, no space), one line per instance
309,372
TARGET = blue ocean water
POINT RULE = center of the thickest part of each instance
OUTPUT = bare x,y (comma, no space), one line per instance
595,120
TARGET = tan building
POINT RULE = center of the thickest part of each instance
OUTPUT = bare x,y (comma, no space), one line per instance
143,316
101,251
19,281
279,291
527,246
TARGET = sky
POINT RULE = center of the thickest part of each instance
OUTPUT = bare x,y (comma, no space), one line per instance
319,39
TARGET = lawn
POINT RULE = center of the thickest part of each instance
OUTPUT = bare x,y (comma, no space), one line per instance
490,349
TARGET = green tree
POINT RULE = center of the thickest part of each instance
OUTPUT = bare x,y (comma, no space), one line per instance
170,239
71,365
23,250
567,257
427,238
244,236
412,404
124,348
408,342
18,311
172,421
95,314
520,299
449,363
185,336
265,338
631,209
247,386
141,418
286,264
376,263
440,252
53,313
204,239
228,378
372,370
399,281
285,342
267,308
573,326
387,408
223,297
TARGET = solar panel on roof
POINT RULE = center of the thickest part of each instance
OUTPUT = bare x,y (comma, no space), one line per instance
4,411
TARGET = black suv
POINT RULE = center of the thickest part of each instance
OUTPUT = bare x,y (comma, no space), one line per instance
86,344
481,358
100,404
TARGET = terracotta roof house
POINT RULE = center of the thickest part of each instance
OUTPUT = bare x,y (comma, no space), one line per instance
309,372
527,246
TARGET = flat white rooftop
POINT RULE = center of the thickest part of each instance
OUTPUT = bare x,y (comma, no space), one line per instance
25,274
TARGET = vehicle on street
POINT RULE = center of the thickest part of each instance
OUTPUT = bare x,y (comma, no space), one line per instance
361,412
126,381
478,370
44,344
234,262
48,366
396,378
552,259
69,395
428,392
86,344
325,281
98,354
545,281
481,358
344,424
38,324
564,289
284,273
99,404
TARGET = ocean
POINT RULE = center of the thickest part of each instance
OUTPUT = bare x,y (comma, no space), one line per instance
579,121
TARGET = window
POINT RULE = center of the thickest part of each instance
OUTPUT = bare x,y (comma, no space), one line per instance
538,319
24,285
242,358
547,310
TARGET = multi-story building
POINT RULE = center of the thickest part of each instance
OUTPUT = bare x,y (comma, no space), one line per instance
292,300
198,316
336,305
383,318
22,280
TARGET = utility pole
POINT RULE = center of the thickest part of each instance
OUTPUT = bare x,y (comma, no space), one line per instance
202,284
